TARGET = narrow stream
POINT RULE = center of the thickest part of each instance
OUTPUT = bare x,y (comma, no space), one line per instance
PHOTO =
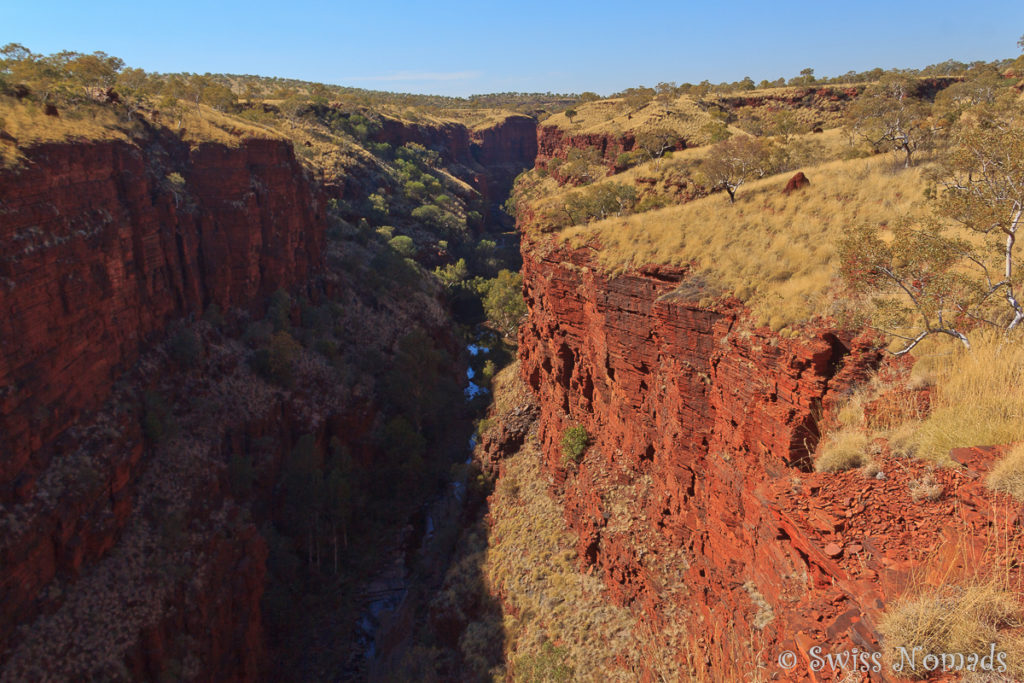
428,539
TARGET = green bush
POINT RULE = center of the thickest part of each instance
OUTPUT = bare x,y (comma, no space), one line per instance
574,443
280,309
214,317
404,245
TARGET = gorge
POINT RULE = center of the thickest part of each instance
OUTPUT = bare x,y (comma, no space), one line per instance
234,417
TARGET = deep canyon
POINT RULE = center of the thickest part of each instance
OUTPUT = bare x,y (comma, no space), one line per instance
142,456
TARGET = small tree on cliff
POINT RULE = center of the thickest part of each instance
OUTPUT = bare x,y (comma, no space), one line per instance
888,115
571,114
504,303
734,161
581,166
910,281
922,280
657,141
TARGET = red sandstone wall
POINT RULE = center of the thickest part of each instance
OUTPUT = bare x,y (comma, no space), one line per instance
700,432
98,251
512,141
450,140
504,150
553,142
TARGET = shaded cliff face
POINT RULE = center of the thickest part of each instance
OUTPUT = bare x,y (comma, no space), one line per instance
693,500
145,452
100,246
450,140
504,150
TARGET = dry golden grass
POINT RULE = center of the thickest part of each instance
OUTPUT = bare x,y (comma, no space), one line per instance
978,399
682,115
28,125
963,608
566,626
1008,475
843,450
509,390
777,253
209,125
655,176
478,119
531,560
957,619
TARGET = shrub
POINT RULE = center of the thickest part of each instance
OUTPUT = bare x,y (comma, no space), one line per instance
157,420
404,245
550,664
574,444
276,362
214,316
844,450
280,309
926,488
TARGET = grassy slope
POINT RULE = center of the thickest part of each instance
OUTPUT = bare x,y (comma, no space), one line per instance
683,115
776,252
29,125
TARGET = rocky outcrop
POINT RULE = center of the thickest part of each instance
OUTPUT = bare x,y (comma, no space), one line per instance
102,244
824,98
694,499
512,141
555,143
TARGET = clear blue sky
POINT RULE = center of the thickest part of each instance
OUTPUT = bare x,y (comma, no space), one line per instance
459,48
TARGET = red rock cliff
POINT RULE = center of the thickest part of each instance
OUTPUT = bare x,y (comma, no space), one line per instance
553,142
503,150
100,246
693,500
450,140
